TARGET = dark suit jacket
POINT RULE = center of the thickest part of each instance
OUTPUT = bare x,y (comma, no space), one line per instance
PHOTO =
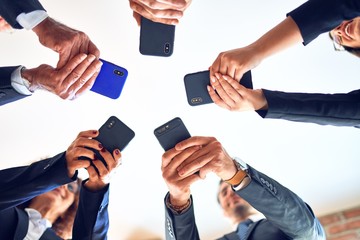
287,216
318,16
7,92
325,109
10,9
21,184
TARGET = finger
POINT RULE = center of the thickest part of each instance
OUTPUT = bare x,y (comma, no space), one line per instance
195,165
162,16
93,175
231,70
77,73
71,65
215,67
88,134
101,169
92,49
78,164
223,94
168,156
188,181
178,159
87,86
194,141
89,143
163,4
117,157
81,152
235,85
216,99
64,58
232,93
108,158
137,18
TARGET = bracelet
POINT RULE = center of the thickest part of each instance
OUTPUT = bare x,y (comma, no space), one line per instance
178,209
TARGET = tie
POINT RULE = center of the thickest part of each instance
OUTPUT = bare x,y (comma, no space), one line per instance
243,228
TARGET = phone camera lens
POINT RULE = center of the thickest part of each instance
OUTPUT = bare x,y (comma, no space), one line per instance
117,72
167,47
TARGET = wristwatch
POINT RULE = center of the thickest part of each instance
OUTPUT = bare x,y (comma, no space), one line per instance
240,175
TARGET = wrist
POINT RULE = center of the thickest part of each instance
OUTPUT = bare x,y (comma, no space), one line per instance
178,202
260,102
42,26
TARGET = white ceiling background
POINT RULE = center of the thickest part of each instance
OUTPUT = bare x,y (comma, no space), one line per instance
319,163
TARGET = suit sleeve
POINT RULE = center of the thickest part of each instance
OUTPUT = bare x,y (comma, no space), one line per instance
92,219
281,207
20,184
324,109
315,17
7,92
180,226
10,9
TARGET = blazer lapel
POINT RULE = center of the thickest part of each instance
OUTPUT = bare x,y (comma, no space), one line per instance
251,229
49,234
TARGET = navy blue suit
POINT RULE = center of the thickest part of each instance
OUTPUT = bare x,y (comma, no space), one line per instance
325,109
287,215
313,18
10,9
21,184
7,92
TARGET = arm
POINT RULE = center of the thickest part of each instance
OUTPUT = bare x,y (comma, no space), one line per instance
10,9
92,220
315,17
7,92
20,184
326,109
180,225
281,207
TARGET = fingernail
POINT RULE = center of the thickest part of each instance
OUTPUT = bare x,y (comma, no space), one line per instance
217,76
225,77
103,149
94,132
101,146
117,152
208,88
213,79
83,56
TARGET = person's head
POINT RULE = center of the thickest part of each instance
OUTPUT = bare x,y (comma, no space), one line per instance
346,36
60,206
234,207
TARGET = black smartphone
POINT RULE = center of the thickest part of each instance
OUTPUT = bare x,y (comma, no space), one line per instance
171,133
110,80
196,87
113,134
156,39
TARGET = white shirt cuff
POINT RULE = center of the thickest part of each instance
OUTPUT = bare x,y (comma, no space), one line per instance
31,19
18,83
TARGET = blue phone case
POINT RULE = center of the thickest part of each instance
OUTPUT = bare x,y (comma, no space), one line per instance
156,39
110,80
196,87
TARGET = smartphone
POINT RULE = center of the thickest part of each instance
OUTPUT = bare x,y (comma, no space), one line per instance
110,80
196,87
113,134
156,39
171,133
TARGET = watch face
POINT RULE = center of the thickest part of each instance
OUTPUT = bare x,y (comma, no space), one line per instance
243,166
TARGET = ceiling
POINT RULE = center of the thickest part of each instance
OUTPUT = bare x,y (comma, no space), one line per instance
319,163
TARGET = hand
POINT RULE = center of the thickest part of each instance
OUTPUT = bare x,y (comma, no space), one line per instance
66,41
77,149
211,157
235,63
231,95
162,11
100,174
75,78
4,26
179,187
